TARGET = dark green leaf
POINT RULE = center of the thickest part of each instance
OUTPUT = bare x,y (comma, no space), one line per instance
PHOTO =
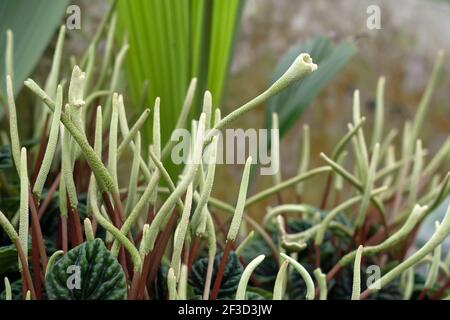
230,280
5,157
8,259
101,276
290,103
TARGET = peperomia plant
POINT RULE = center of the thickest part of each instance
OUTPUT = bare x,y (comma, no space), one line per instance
81,229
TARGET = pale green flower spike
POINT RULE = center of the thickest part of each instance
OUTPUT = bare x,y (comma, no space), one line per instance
134,214
112,145
52,80
310,289
88,230
172,285
340,146
436,239
62,197
165,175
356,289
115,78
409,283
426,97
434,266
98,142
417,214
52,260
28,295
389,164
416,173
244,242
332,214
379,113
338,180
156,143
142,245
8,228
130,134
207,108
187,178
240,205
135,256
305,155
51,145
321,279
182,285
208,185
134,175
352,179
181,122
180,233
286,184
242,287
14,132
370,179
280,282
299,69
24,205
438,158
360,135
212,249
67,169
102,175
8,292
275,151
9,53
76,97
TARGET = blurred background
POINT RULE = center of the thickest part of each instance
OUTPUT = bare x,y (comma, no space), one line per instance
403,50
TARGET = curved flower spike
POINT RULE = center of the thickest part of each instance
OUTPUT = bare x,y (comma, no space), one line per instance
240,293
76,88
434,267
8,292
244,242
9,53
8,228
280,282
240,205
24,205
51,145
321,279
356,289
180,233
300,68
172,285
52,260
13,131
436,239
88,231
310,289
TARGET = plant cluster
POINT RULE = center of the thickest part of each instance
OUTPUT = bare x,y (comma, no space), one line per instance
78,233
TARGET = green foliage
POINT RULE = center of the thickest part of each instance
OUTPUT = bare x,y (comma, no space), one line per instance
291,103
173,41
101,274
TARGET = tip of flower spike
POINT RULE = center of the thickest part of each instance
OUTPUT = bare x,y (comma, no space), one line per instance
305,59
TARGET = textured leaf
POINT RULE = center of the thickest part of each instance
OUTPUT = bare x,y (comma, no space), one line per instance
101,275
230,280
5,157
33,24
290,103
8,259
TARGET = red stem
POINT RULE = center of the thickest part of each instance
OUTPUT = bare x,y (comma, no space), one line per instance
219,276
